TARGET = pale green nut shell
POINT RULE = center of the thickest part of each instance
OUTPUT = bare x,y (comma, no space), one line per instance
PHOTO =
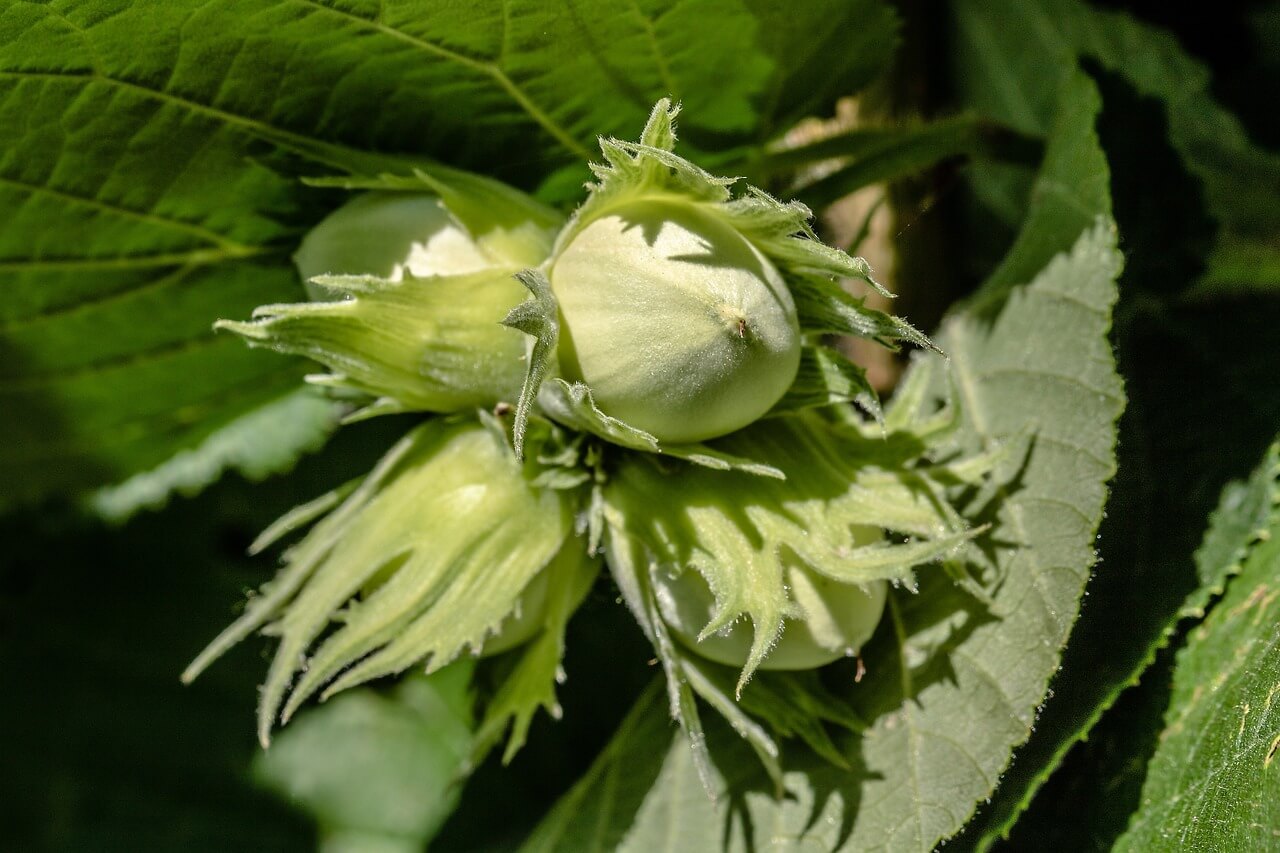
838,617
678,325
388,234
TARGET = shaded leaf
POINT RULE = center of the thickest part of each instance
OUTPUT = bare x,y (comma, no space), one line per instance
596,814
1091,796
378,772
1241,520
821,52
1182,359
532,682
116,753
827,377
1006,41
1211,784
873,155
262,442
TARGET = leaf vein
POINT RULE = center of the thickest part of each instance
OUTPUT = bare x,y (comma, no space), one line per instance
491,69
115,209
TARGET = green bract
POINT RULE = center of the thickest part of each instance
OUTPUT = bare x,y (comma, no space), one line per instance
832,619
752,538
427,557
414,280
676,408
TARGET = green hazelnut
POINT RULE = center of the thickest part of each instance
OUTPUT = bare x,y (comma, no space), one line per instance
389,234
676,322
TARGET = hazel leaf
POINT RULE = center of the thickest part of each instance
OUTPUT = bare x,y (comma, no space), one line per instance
261,442
1211,781
792,704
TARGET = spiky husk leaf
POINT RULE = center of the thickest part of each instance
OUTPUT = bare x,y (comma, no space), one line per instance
428,557
572,404
650,173
421,269
540,320
531,682
827,377
743,534
420,344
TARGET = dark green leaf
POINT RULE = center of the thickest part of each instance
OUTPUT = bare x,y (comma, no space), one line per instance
95,624
1090,797
598,812
1184,358
1070,191
1242,519
1211,784
880,155
821,51
1181,363
1010,59
262,442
